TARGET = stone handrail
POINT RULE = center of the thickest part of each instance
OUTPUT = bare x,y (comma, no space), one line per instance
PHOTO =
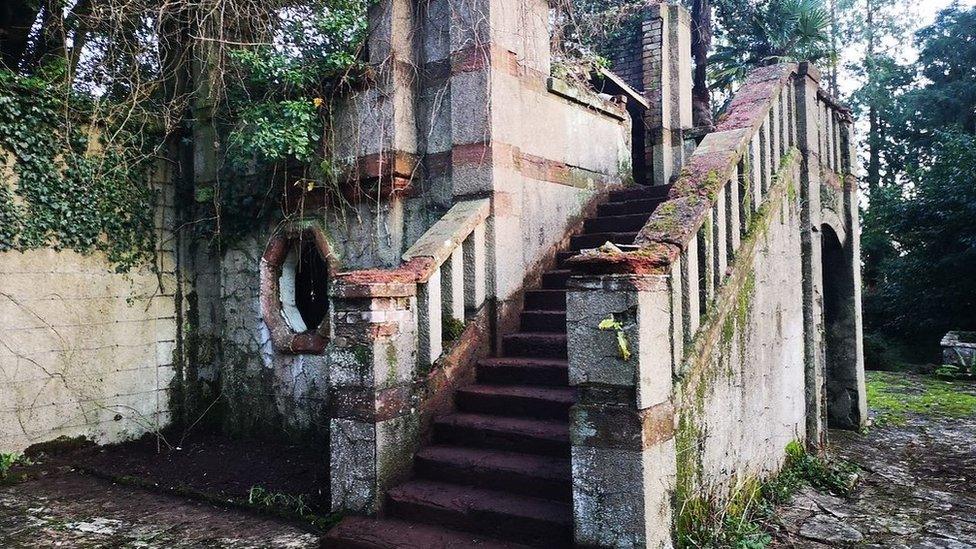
757,129
670,298
444,269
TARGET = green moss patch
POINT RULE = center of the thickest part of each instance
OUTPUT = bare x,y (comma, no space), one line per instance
896,397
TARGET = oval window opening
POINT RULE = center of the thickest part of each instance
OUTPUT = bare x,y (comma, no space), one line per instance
304,287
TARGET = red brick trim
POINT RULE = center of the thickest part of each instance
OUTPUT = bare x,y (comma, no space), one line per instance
284,339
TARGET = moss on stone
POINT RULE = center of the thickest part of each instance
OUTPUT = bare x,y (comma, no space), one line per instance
896,397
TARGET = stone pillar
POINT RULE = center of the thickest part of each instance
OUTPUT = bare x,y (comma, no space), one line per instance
374,423
667,87
622,428
854,344
808,142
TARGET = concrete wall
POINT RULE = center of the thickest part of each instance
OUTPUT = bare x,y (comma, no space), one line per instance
740,399
85,351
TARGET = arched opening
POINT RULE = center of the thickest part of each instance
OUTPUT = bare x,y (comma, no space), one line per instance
845,408
295,273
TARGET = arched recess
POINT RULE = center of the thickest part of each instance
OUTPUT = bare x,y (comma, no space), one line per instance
844,384
295,271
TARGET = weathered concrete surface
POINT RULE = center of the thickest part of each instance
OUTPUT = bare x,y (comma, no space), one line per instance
68,509
84,350
916,488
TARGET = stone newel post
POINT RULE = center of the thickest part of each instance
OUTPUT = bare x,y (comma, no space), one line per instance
622,429
374,419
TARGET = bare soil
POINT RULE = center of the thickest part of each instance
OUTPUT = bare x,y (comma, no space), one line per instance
217,466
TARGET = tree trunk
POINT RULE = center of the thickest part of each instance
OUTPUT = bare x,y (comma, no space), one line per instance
833,48
16,19
874,141
701,42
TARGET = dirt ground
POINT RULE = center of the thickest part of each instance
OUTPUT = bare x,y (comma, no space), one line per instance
68,509
918,485
918,465
217,466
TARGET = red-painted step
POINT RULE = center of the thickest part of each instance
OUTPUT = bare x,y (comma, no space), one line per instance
534,436
638,192
515,370
535,344
516,472
387,533
517,400
537,521
546,300
556,279
595,240
544,321
642,206
615,223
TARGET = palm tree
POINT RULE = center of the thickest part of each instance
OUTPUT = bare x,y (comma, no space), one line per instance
768,32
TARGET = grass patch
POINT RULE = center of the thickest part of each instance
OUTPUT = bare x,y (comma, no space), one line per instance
289,506
896,397
739,520
7,462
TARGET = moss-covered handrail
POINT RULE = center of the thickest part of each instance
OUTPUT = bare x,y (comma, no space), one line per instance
675,223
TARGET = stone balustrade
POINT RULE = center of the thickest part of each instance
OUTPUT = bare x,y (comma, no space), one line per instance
673,299
389,327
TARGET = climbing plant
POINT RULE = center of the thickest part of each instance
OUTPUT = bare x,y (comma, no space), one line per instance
71,187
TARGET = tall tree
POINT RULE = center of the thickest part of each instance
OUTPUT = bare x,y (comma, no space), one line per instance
701,43
16,19
765,33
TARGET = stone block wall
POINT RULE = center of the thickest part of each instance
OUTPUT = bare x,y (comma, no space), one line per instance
85,351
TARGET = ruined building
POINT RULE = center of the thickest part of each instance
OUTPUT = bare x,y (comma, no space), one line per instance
486,365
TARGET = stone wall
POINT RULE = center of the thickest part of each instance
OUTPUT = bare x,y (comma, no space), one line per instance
85,351
740,397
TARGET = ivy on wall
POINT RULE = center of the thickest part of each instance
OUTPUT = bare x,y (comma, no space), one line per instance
72,187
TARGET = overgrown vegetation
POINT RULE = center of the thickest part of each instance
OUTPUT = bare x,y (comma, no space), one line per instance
739,519
289,506
80,184
7,463
896,397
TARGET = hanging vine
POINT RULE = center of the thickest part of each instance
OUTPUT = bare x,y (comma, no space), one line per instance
71,188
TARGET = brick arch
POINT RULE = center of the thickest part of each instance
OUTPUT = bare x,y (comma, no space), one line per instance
283,337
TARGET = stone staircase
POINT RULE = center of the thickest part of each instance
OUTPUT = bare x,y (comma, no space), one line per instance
498,471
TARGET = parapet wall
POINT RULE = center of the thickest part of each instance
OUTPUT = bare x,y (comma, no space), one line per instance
86,351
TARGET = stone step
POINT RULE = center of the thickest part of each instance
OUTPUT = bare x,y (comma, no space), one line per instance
547,300
515,472
556,279
387,533
562,256
595,240
533,401
534,371
615,223
538,522
535,344
544,321
629,207
535,436
639,192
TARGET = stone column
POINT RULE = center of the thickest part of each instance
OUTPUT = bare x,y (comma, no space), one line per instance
667,87
622,429
808,142
854,344
374,422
